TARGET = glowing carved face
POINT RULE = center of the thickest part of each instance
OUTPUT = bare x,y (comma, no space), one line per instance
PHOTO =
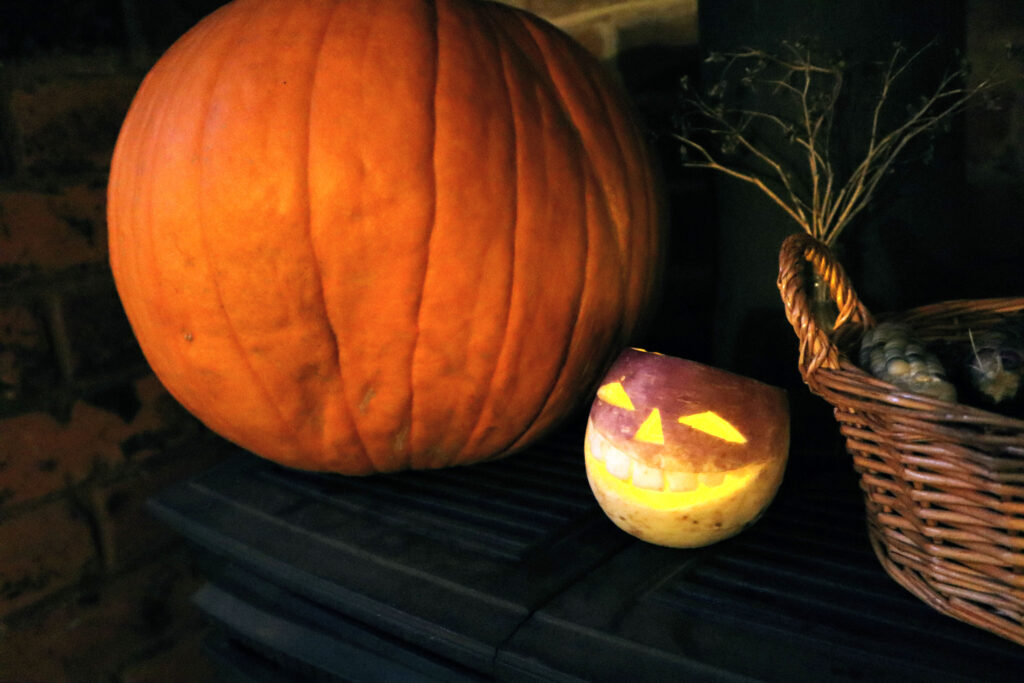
682,454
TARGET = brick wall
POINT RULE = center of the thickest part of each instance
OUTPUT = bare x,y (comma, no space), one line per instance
90,587
85,429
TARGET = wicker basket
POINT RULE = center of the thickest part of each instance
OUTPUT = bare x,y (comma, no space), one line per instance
943,483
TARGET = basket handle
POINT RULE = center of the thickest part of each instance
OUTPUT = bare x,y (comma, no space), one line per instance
802,254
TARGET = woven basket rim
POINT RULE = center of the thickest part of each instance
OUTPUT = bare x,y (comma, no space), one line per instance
822,357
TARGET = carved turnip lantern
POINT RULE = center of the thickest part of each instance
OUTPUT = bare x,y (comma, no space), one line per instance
681,454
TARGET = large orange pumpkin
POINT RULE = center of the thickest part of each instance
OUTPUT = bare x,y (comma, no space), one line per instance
371,235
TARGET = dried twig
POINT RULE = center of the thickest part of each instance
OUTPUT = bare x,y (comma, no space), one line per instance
804,95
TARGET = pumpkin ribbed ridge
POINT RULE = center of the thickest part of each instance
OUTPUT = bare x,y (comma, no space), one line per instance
360,453
232,332
474,433
362,236
436,30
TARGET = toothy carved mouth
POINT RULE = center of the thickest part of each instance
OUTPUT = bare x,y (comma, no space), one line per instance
664,488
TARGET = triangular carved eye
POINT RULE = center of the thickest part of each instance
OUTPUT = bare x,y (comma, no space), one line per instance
650,431
714,424
615,394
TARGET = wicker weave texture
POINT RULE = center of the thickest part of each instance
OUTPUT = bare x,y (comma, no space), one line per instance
943,483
